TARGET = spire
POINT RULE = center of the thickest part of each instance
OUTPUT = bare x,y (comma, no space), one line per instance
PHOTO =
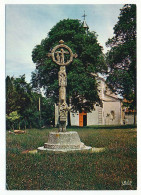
84,22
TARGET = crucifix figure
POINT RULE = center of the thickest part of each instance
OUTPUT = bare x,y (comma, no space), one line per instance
60,55
62,77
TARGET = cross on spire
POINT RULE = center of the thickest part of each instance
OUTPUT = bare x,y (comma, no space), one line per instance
84,15
84,23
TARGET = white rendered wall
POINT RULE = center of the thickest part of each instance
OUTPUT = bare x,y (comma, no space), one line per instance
112,106
129,119
74,118
92,117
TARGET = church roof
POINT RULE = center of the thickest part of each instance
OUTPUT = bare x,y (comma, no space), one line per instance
107,92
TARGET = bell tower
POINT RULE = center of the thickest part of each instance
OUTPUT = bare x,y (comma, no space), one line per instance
84,23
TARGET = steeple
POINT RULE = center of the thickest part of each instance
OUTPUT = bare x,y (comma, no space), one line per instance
84,22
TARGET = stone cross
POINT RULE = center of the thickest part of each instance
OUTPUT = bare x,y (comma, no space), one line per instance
58,55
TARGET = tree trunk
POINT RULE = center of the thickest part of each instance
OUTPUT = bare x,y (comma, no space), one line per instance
19,125
25,124
13,127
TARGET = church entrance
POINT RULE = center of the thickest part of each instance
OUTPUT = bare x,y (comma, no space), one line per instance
82,119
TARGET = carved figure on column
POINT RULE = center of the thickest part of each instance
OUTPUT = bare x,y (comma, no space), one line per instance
63,109
62,94
62,78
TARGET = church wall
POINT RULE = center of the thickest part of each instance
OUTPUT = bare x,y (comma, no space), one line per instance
74,118
112,113
92,117
129,118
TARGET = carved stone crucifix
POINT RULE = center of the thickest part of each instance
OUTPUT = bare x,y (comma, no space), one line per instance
58,56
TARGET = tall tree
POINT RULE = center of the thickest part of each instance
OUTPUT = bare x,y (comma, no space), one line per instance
22,105
122,56
10,95
24,93
18,94
82,86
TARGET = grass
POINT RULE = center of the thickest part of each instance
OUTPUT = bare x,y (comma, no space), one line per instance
74,171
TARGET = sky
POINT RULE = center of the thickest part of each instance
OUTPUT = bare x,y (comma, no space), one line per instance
27,24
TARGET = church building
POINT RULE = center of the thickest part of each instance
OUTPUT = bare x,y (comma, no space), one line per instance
109,113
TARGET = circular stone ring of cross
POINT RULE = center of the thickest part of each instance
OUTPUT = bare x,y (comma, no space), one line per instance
59,56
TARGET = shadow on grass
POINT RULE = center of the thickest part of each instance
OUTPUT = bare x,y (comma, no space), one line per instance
104,127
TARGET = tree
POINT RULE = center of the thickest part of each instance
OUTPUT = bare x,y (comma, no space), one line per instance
22,105
13,117
18,99
32,117
122,56
10,95
18,94
82,86
24,93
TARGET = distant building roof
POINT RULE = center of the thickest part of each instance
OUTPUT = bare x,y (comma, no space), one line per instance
107,91
85,25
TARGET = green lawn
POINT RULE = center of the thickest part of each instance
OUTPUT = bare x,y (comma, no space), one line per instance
107,170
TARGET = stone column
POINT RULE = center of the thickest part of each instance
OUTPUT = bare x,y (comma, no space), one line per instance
62,77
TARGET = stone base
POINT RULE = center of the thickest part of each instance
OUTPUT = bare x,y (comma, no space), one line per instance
64,142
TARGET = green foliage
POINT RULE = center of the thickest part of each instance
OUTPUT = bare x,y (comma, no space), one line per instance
122,56
18,94
12,118
81,85
10,95
22,101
